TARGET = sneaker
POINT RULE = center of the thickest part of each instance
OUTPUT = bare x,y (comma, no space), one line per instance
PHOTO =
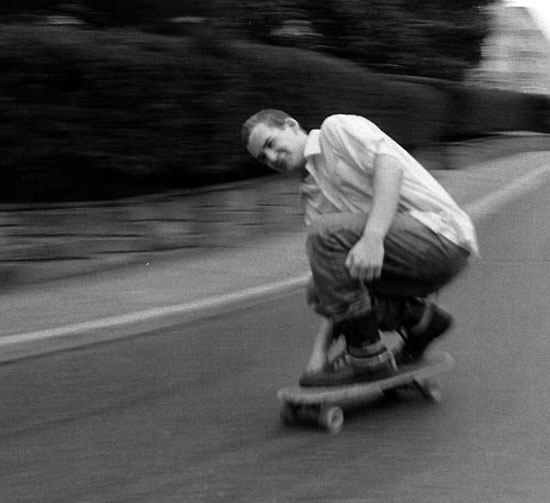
434,322
348,369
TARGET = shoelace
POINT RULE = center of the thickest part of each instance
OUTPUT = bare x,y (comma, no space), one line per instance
340,361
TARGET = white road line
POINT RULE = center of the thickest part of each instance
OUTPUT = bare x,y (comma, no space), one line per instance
494,201
207,304
483,207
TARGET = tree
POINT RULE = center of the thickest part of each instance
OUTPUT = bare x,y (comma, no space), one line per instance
430,38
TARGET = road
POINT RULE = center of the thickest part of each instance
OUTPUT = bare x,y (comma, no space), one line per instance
190,415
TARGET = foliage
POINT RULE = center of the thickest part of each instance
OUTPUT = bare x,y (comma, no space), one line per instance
105,113
93,114
432,38
100,114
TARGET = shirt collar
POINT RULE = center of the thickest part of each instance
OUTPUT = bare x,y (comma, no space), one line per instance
313,146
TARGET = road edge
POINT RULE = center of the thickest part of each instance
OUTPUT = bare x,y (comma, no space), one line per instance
40,342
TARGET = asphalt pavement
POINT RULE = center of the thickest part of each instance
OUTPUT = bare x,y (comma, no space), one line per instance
155,294
189,412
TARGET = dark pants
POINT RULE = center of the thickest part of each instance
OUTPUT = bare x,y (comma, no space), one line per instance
417,263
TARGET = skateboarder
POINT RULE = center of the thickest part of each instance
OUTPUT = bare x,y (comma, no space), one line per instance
383,234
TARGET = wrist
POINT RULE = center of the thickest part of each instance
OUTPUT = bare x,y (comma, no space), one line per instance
373,235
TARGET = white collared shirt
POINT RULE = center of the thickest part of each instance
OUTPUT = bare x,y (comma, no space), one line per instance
340,163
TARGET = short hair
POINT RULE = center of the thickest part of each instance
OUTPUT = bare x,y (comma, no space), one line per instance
268,116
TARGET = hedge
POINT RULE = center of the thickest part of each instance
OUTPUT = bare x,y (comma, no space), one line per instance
104,114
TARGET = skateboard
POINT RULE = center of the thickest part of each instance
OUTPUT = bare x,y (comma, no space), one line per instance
324,405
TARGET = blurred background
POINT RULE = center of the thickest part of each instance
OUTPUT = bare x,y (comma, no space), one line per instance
108,100
105,99
120,144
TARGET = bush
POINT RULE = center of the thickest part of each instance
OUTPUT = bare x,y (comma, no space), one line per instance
135,106
92,114
105,114
311,87
494,110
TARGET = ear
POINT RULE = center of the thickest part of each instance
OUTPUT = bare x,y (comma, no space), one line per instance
292,123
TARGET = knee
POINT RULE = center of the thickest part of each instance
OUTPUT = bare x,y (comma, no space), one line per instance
318,236
334,232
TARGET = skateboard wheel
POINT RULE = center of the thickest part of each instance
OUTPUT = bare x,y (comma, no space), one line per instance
331,419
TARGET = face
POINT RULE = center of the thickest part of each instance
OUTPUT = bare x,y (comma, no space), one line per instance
282,149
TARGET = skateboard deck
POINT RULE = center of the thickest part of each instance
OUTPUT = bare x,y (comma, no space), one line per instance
323,405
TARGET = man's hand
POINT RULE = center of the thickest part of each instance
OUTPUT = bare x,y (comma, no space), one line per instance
365,259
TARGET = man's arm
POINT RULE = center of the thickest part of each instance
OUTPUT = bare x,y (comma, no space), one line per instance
365,259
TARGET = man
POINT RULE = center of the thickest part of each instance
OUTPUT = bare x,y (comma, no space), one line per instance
383,234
